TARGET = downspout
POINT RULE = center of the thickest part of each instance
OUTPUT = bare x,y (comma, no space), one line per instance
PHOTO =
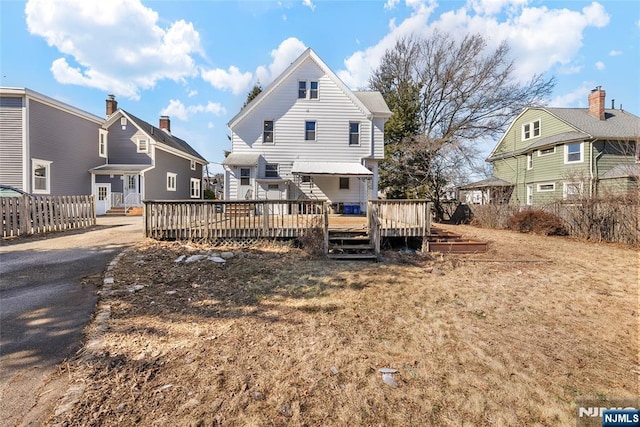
593,168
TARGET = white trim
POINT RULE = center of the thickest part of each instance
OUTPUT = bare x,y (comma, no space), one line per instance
529,161
273,132
146,148
529,200
192,187
192,164
102,137
539,188
566,184
315,130
531,125
566,153
44,99
172,178
47,167
541,154
359,133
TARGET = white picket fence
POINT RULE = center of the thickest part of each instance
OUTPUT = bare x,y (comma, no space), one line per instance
42,214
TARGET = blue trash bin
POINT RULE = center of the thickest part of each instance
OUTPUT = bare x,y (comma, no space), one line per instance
356,209
348,209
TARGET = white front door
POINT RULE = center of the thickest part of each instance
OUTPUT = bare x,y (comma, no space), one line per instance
102,193
130,184
245,184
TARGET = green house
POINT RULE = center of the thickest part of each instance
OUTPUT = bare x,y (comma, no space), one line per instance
550,154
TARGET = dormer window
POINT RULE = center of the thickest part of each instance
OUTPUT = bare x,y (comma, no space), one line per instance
531,130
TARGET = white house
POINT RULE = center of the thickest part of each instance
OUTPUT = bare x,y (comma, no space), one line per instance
307,136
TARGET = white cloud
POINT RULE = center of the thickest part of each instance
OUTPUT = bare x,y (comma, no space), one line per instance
600,65
287,52
233,80
192,93
210,125
615,53
146,53
570,69
309,4
577,98
540,38
176,109
391,4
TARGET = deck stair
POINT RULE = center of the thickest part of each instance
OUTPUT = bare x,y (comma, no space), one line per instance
121,211
351,245
439,240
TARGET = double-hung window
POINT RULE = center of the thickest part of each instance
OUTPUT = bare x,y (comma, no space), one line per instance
171,181
102,143
573,152
571,190
530,130
192,165
271,170
41,173
354,133
310,131
195,188
529,161
267,133
344,183
245,176
302,89
313,90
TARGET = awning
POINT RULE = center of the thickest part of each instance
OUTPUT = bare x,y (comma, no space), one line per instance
241,159
330,168
115,169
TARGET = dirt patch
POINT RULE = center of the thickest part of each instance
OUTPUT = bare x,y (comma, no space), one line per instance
273,337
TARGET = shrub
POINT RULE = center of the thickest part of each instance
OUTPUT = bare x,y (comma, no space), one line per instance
537,221
312,240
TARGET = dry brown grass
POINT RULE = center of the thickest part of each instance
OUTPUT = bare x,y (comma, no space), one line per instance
274,337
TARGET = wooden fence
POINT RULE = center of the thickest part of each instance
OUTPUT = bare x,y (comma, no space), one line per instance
41,214
216,221
402,218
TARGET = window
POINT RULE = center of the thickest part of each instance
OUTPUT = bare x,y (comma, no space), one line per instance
344,183
529,195
306,178
354,133
267,133
310,131
530,130
546,187
302,90
102,143
143,145
546,151
123,122
171,181
245,175
41,172
195,188
313,90
192,165
573,152
571,190
273,187
530,161
271,170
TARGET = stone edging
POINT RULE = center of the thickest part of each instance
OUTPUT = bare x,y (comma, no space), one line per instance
95,341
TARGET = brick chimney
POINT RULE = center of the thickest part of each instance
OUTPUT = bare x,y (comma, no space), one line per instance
112,105
165,124
596,103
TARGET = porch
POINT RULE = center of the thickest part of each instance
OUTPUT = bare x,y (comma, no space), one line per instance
247,221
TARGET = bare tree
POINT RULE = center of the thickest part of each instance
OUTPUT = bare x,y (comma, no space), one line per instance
445,95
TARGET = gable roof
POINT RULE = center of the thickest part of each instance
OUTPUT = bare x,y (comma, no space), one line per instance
158,135
374,102
308,54
618,124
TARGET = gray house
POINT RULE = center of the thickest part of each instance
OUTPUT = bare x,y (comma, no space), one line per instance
48,147
142,161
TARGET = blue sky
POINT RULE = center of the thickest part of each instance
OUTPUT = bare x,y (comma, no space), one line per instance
196,60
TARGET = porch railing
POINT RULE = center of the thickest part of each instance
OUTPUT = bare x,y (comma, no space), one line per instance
402,218
132,200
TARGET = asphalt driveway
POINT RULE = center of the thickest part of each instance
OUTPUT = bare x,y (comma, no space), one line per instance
47,296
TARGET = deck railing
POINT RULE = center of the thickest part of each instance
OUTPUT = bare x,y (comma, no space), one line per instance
214,220
41,214
402,218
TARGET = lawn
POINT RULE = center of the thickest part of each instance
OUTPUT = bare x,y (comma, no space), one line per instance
275,337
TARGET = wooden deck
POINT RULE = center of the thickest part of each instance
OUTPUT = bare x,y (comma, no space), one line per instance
213,221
